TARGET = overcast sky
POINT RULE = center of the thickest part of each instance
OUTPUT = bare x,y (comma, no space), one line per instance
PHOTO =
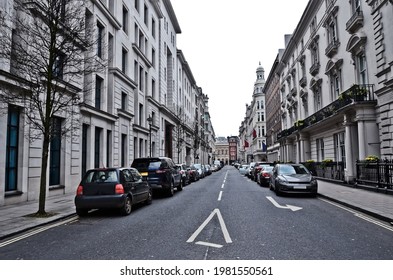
224,41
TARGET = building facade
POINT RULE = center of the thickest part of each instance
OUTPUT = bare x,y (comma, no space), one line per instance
252,132
233,142
273,112
222,150
336,84
144,102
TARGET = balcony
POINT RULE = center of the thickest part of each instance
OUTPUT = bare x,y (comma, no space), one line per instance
332,48
355,94
314,69
294,92
355,22
303,81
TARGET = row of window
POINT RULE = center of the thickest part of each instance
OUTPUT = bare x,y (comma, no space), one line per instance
56,149
339,147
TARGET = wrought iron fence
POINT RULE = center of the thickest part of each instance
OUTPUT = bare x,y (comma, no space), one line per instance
375,173
331,170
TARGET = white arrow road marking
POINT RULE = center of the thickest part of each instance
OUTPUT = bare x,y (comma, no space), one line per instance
204,224
293,208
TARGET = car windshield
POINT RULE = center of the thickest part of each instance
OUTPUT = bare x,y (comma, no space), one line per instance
101,176
292,170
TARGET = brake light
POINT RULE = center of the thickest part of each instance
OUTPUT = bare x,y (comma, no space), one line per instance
119,189
79,190
266,175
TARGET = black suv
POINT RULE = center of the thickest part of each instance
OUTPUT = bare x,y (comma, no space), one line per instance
161,172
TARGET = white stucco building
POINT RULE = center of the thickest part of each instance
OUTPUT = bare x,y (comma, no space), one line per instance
144,102
336,84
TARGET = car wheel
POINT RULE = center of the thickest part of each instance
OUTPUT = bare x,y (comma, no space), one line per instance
171,190
180,186
127,207
82,212
149,199
277,191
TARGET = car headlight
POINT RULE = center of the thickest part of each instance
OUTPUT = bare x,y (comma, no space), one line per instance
282,180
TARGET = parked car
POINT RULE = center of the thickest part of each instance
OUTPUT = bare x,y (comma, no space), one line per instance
264,174
201,169
293,178
194,174
161,173
243,169
185,174
250,169
111,188
208,169
257,168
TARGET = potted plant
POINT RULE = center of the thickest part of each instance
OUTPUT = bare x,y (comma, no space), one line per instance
310,165
359,93
326,162
299,124
371,158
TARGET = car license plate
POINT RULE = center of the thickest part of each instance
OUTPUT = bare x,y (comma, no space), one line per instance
144,173
300,187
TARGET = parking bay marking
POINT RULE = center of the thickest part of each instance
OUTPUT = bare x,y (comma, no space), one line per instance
36,231
204,224
287,206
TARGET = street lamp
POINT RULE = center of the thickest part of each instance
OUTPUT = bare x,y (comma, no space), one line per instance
150,121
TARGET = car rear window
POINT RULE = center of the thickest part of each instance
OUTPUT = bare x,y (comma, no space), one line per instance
101,176
146,164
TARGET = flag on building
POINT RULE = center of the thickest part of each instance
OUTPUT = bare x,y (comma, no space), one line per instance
254,134
264,147
246,145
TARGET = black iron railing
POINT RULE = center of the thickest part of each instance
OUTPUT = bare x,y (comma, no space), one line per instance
375,173
331,170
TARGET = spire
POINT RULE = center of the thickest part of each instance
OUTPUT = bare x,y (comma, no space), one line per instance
260,73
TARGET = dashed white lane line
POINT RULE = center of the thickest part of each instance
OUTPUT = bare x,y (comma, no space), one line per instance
220,196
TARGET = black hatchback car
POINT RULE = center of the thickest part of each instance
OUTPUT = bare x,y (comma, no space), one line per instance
161,173
111,188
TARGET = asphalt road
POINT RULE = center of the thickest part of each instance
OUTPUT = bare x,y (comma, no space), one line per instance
223,216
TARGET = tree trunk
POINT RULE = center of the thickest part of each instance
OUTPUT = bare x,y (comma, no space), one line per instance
44,168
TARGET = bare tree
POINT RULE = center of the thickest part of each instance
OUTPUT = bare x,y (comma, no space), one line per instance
50,47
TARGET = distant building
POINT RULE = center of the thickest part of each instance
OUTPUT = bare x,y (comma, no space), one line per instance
222,150
233,142
252,132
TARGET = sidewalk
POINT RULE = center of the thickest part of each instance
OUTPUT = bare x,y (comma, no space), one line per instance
13,218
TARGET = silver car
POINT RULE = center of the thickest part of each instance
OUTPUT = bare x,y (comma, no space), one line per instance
293,178
243,169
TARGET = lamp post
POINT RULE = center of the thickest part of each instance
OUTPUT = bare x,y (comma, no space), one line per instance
150,121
